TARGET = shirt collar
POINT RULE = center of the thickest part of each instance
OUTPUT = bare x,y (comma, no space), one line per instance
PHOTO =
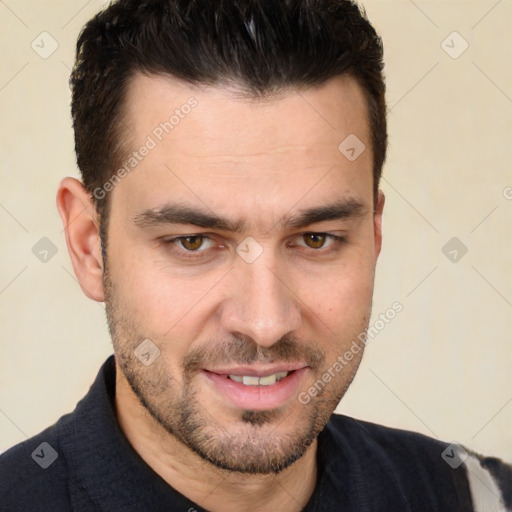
104,463
115,477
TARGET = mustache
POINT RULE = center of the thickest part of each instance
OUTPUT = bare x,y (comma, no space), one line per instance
245,351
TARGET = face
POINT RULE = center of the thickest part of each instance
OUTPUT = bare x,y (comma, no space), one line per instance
243,245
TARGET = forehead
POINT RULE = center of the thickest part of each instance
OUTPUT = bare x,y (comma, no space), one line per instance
212,145
223,111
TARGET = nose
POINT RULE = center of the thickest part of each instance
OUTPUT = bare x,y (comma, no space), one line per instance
260,303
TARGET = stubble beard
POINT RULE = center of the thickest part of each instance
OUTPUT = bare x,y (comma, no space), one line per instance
254,444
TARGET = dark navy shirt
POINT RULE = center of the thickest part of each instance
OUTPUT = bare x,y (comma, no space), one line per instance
84,463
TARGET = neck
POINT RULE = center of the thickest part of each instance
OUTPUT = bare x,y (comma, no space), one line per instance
203,483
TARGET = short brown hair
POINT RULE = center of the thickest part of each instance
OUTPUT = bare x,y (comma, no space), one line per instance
261,46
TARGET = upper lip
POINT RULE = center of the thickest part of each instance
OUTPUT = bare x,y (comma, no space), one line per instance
258,371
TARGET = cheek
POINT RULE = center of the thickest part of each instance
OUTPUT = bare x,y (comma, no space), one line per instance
145,294
343,305
160,299
338,301
346,285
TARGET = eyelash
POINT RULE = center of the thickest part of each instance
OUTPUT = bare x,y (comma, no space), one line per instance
334,247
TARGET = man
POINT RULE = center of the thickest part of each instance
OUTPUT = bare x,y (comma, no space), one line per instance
230,219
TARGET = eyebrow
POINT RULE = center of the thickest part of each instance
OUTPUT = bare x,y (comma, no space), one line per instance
344,209
182,214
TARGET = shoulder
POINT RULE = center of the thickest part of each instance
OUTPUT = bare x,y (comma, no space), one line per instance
425,468
34,473
392,443
490,481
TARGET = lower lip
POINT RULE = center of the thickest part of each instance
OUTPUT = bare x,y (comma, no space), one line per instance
257,398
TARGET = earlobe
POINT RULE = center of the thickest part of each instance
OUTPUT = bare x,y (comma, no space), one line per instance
81,226
377,222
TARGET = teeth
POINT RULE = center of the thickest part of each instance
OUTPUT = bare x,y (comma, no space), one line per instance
250,380
268,380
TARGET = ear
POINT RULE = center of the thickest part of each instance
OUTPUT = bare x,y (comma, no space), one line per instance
81,225
377,222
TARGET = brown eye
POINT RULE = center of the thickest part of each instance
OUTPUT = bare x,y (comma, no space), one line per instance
192,243
314,240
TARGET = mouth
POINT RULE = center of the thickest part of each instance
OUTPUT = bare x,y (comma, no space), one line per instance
252,388
267,380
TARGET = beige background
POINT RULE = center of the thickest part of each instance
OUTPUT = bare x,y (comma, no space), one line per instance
442,366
